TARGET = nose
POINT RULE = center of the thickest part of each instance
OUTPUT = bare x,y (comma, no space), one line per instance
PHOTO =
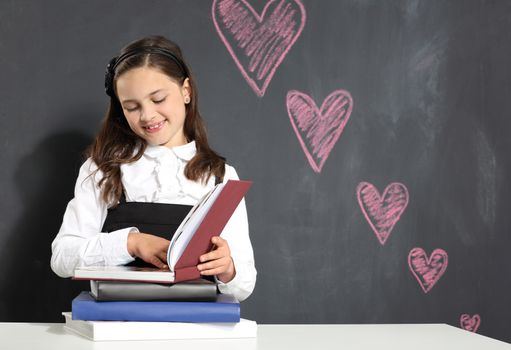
147,113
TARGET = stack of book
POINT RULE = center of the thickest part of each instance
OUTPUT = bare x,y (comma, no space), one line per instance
115,310
130,303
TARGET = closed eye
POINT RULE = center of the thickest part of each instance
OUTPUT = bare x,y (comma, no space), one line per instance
133,109
159,101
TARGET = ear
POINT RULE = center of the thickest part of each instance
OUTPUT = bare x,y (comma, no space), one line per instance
186,88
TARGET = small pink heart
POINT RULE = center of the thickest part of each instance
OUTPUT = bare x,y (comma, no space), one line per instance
470,323
382,212
258,43
426,270
318,129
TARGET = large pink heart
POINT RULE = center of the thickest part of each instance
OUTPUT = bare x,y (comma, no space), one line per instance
470,323
258,43
426,270
318,129
382,212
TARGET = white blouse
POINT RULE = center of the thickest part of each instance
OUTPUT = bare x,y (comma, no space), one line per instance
157,177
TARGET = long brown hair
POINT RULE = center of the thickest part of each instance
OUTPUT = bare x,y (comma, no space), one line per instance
116,144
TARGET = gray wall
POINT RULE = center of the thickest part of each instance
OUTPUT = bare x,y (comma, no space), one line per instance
430,83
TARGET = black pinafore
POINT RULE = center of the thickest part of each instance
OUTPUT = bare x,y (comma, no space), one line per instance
159,219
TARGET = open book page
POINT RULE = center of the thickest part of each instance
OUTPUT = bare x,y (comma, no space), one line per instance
186,230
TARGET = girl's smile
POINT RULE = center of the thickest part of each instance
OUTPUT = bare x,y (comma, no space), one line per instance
155,127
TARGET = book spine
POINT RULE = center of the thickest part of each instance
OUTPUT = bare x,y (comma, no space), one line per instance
155,311
186,274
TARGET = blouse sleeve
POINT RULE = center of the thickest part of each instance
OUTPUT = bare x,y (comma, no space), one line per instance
236,232
80,241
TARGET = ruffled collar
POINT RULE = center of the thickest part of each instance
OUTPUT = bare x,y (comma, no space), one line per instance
184,152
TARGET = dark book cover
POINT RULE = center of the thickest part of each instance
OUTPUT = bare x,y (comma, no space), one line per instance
196,290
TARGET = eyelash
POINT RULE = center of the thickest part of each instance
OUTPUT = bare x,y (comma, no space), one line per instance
134,109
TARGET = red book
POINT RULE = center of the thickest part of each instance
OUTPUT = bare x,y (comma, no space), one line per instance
191,240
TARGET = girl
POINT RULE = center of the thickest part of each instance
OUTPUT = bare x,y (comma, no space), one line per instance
149,163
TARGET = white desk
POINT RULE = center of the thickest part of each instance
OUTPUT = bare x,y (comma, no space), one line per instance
32,336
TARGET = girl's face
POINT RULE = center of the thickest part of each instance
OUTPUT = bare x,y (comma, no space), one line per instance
153,105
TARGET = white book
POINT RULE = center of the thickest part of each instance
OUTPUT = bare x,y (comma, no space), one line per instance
125,330
124,273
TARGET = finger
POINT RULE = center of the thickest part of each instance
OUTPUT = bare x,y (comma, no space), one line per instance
213,272
213,264
218,241
215,254
208,266
156,261
162,256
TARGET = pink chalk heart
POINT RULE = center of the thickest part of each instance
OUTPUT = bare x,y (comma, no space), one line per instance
426,270
470,323
258,43
318,129
382,212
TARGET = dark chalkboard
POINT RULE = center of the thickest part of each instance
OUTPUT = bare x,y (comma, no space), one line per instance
376,134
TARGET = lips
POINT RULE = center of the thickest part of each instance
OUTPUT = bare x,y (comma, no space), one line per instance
154,127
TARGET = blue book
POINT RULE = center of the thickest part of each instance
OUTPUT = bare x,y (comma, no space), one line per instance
225,309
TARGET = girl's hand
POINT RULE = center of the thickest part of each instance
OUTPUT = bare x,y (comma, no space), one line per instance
218,261
152,249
